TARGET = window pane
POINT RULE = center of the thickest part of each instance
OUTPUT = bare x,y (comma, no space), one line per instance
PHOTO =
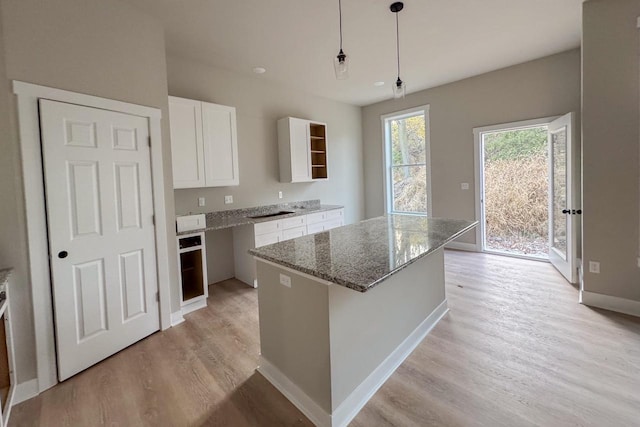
409,188
559,188
407,140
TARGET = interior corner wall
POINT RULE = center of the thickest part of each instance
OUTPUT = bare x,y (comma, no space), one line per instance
13,235
259,104
541,88
611,146
95,47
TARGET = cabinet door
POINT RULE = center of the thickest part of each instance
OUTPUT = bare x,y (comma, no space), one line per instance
292,233
268,239
300,150
315,228
220,145
334,223
187,152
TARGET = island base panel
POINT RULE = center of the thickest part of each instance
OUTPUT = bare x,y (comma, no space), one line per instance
333,346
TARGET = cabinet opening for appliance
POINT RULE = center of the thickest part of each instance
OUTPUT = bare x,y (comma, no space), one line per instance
5,378
192,274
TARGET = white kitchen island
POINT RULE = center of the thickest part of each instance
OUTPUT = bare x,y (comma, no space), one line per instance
340,310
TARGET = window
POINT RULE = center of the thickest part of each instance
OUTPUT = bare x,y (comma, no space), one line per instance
407,168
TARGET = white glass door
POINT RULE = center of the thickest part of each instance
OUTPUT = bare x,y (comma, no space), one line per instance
563,209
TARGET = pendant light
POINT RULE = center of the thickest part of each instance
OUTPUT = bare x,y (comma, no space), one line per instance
341,62
399,87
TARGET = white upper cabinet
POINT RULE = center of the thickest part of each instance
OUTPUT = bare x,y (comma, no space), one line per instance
204,144
220,145
302,149
187,148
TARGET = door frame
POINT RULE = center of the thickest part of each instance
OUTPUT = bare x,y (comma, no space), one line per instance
36,216
478,161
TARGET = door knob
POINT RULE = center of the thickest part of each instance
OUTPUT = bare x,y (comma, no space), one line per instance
566,211
62,254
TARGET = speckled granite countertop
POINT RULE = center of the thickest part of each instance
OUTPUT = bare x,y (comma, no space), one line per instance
360,256
236,217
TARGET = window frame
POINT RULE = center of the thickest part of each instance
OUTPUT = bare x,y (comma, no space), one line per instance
387,157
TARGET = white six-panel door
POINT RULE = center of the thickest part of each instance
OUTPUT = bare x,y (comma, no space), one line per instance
97,172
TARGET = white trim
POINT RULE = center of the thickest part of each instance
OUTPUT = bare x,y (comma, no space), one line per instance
25,391
461,246
194,304
29,134
299,398
478,165
608,302
385,153
350,407
176,318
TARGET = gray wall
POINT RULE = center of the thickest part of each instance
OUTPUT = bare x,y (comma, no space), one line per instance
544,87
610,145
102,48
259,104
13,249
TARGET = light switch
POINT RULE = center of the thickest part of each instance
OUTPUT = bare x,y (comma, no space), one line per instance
201,201
464,186
228,200
279,194
285,280
594,267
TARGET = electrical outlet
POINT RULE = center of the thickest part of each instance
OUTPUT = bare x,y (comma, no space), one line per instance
201,201
594,267
279,194
228,200
285,280
464,186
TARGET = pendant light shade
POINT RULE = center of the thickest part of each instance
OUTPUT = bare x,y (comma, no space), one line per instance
341,62
399,87
341,66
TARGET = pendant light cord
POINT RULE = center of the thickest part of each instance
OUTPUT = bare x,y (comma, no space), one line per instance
340,11
398,44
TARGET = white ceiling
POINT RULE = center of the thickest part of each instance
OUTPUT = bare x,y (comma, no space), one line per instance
296,40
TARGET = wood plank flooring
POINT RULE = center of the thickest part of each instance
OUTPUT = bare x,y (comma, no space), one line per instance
516,349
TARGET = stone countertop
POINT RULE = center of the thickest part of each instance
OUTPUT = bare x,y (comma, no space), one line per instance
360,256
237,217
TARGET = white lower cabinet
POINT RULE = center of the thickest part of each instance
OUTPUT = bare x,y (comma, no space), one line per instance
251,236
323,221
292,233
261,234
267,239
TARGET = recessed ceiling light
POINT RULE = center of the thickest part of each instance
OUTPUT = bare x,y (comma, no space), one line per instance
378,84
259,70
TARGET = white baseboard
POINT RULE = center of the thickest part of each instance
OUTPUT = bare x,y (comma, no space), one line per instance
350,407
299,398
608,302
199,303
176,318
461,246
25,391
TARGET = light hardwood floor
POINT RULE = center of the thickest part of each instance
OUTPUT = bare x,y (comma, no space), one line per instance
516,349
